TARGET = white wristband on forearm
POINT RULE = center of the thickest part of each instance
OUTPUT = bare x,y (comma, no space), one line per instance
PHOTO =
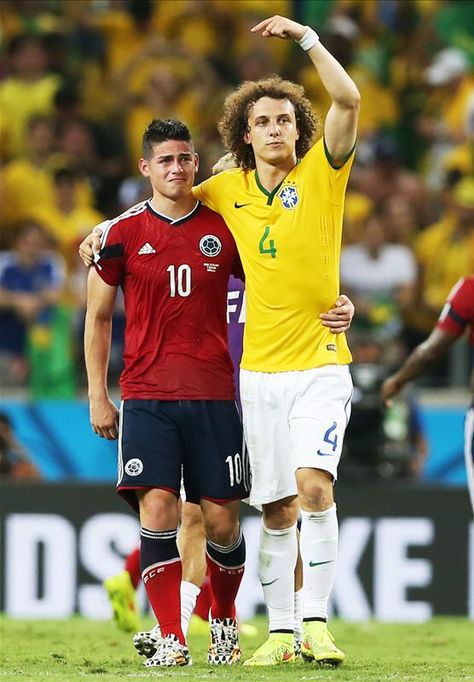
308,39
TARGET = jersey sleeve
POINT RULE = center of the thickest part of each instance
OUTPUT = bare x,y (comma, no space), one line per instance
319,165
110,261
214,191
458,311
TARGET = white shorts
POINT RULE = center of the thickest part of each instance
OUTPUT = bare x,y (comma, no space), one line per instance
293,420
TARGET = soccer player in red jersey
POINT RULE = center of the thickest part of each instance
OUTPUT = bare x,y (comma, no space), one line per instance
172,257
456,316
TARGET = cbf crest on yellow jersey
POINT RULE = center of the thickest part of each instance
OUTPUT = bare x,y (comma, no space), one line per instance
289,242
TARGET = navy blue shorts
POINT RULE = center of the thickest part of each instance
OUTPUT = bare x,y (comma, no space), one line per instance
201,441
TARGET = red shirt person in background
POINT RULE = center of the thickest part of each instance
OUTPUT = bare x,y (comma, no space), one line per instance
457,316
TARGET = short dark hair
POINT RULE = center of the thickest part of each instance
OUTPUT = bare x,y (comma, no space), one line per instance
160,130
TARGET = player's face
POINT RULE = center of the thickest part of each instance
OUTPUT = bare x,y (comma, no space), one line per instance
171,169
272,130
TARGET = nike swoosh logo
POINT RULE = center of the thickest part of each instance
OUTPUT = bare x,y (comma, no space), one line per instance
325,454
270,583
320,563
236,205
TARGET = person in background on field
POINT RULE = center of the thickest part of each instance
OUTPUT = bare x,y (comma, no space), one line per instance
456,316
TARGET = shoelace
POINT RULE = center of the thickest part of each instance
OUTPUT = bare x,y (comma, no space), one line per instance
224,637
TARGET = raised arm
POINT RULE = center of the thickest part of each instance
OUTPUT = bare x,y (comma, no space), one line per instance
340,126
98,328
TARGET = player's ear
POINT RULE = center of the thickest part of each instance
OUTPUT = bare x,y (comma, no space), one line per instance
196,162
143,167
247,137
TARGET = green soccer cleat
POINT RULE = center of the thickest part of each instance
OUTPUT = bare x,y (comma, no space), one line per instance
318,645
122,599
277,650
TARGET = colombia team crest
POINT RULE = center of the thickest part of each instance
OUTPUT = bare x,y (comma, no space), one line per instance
288,196
210,245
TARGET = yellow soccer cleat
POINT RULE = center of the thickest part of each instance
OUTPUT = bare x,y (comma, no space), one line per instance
277,650
318,645
122,600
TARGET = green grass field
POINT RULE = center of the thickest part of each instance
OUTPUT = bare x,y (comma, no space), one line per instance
81,650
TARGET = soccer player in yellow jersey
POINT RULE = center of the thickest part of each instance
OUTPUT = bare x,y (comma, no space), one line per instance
284,205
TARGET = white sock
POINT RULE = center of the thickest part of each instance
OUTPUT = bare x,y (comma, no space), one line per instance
277,561
189,595
318,547
298,605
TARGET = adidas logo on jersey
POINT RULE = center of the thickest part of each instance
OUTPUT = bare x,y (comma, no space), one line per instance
146,249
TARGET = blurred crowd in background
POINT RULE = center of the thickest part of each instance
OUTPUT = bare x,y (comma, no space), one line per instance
80,80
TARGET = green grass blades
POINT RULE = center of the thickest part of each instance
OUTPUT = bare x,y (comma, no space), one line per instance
79,650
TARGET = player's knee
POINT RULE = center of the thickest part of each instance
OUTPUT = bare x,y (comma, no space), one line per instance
158,509
315,490
222,529
191,518
280,514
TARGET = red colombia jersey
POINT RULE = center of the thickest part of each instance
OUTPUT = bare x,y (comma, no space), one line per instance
458,312
174,276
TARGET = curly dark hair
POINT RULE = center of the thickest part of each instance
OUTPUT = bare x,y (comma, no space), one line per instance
234,123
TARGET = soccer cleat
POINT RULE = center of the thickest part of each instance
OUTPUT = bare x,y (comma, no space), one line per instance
169,653
224,648
318,645
146,643
278,649
122,599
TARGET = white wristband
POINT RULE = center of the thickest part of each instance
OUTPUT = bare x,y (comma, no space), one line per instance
308,39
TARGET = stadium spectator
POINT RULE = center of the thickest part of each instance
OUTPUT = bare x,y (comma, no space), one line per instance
385,177
444,122
65,219
380,278
31,281
28,91
401,221
444,251
456,316
26,180
108,143
15,462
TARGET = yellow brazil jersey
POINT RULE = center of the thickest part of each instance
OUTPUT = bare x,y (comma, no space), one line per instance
289,242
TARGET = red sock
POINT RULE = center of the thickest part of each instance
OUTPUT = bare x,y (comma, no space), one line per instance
162,583
132,565
225,583
203,602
